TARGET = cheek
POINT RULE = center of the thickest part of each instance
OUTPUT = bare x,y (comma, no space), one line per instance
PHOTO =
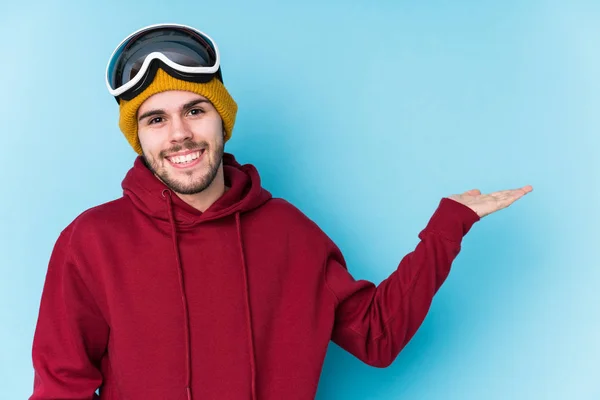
150,143
208,129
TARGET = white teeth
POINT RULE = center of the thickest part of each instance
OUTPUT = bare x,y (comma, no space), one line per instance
186,158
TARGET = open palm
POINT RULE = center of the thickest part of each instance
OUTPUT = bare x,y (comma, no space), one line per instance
485,204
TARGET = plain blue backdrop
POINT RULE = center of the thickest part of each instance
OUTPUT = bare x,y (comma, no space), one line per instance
363,115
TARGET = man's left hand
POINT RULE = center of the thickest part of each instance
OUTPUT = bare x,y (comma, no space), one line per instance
485,204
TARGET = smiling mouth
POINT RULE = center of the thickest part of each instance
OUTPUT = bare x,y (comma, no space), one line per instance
187,159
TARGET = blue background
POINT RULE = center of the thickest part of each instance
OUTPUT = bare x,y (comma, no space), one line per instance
363,115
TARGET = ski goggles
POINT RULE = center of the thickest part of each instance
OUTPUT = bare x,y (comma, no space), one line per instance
182,51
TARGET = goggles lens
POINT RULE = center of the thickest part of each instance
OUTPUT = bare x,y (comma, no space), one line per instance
181,46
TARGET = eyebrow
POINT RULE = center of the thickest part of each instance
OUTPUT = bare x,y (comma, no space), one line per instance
187,105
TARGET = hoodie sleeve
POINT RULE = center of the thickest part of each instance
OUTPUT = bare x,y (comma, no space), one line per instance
71,334
374,323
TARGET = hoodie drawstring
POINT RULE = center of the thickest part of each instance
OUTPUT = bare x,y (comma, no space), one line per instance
188,366
247,298
186,315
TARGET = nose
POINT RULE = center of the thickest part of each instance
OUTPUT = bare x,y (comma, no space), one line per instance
180,131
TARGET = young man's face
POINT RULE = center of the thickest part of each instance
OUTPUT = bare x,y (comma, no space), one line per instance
181,134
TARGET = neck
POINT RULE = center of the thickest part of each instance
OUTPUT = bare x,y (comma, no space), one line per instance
203,200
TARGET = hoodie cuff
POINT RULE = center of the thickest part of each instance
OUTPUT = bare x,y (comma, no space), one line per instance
451,219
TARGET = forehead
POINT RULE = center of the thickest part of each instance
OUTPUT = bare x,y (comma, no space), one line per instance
169,100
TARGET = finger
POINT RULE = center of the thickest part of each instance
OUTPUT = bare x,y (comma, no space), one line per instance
473,192
512,192
506,198
508,194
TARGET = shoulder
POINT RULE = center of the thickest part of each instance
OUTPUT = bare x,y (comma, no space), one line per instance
85,236
286,212
287,219
101,218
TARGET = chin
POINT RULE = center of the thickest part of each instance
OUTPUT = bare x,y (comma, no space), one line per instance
193,183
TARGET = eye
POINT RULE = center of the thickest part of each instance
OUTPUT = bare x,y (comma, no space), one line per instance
155,120
196,111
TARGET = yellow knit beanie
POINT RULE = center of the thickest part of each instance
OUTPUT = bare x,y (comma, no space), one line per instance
214,91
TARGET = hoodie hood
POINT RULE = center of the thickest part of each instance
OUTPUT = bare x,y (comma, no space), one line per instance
147,193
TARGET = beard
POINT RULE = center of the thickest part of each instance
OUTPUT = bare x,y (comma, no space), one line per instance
191,182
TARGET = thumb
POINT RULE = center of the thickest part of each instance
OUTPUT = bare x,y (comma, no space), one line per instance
473,192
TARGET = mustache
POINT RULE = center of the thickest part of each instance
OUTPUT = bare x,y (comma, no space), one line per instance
185,146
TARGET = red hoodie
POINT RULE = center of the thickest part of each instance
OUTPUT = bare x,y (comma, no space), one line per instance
147,298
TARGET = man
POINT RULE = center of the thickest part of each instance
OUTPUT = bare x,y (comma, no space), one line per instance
197,283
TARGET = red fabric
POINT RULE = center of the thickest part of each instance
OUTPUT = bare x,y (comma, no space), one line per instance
148,298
